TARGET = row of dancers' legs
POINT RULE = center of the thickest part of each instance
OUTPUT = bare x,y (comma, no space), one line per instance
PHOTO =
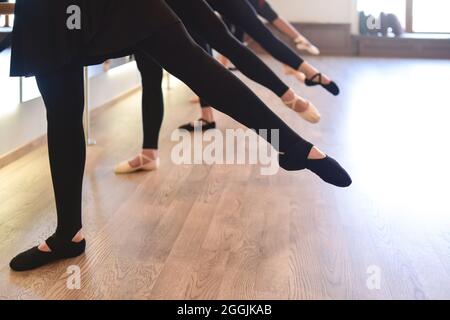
243,15
210,32
63,95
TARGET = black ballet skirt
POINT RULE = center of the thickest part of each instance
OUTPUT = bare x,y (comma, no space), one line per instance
42,42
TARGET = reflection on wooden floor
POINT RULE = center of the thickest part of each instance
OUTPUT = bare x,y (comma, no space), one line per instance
225,232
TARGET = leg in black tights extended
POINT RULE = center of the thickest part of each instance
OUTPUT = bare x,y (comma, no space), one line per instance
242,14
62,92
152,99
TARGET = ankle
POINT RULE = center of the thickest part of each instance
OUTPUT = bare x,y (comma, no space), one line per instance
316,154
151,153
78,237
208,114
288,96
301,39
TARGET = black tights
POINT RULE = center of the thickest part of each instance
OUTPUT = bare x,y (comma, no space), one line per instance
263,9
171,48
152,99
63,95
243,15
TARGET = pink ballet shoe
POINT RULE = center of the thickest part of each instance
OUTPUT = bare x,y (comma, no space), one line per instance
126,168
311,114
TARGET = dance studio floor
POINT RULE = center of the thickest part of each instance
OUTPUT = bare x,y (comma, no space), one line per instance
226,232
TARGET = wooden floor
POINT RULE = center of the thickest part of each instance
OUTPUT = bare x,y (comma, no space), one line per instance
225,232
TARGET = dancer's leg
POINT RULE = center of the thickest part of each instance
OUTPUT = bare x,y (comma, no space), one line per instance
63,96
62,92
152,99
5,43
238,33
265,10
152,117
207,112
241,13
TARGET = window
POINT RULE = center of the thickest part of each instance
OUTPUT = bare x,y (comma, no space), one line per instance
422,16
431,16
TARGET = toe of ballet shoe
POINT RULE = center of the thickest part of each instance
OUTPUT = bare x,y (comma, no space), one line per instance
30,259
124,168
334,89
311,114
330,171
314,50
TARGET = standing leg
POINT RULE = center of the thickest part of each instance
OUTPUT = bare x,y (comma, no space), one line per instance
152,117
206,120
152,100
265,10
62,92
64,100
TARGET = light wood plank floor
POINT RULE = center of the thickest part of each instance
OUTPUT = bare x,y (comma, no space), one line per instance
225,232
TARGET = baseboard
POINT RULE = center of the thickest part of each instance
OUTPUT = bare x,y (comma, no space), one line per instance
331,38
404,47
22,151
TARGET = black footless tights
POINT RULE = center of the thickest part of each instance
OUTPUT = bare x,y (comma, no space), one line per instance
63,96
263,9
242,14
152,99
171,48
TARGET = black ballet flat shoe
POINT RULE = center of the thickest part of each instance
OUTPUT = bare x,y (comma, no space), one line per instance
35,258
201,124
330,171
332,87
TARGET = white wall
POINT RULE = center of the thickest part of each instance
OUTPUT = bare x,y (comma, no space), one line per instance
28,122
317,11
